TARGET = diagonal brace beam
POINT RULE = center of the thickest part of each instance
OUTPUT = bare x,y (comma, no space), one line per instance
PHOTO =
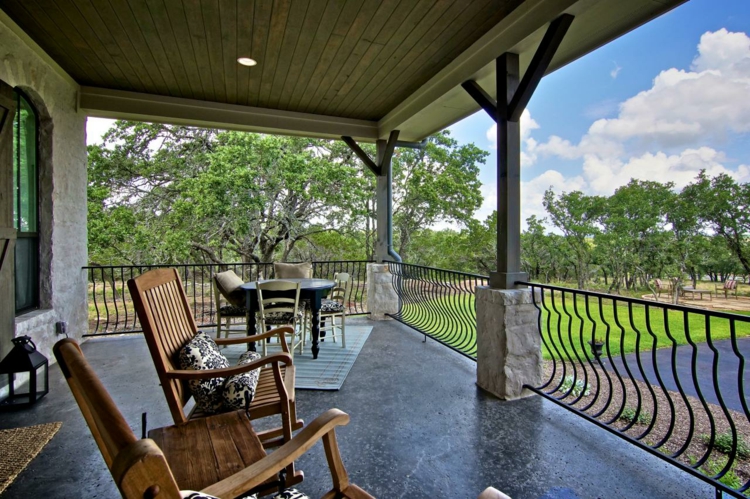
534,73
376,168
369,163
483,98
538,66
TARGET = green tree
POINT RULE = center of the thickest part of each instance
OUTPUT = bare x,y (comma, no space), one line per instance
576,216
634,241
166,193
439,183
724,206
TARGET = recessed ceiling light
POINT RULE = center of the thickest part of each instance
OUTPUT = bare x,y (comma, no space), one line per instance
246,61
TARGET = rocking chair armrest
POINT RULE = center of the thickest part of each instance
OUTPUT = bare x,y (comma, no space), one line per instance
279,332
323,427
188,374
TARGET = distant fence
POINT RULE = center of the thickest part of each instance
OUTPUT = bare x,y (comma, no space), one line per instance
655,374
111,309
438,303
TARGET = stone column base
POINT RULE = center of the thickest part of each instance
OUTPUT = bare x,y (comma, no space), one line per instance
509,353
381,297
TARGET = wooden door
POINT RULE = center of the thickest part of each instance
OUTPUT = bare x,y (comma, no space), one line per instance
7,232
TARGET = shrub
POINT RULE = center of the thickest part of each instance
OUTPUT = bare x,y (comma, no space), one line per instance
712,467
723,443
577,385
628,414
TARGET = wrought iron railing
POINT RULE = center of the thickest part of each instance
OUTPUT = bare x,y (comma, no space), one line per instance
667,378
438,303
111,310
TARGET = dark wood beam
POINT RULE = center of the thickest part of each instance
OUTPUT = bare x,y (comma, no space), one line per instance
362,155
481,97
538,66
389,148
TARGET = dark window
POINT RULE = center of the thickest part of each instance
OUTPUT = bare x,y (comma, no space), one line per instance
25,202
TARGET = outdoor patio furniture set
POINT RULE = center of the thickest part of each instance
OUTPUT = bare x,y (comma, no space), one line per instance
212,449
728,287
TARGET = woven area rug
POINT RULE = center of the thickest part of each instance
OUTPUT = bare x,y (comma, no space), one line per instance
19,446
333,364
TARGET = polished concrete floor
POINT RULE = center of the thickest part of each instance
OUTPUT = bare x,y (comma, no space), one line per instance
420,428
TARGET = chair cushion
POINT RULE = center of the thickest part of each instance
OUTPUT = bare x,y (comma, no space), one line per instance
191,494
331,306
239,389
229,283
292,270
287,494
201,353
232,311
276,318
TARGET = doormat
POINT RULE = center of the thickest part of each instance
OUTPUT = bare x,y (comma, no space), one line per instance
18,446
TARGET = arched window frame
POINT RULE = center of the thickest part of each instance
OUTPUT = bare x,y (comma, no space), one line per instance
27,242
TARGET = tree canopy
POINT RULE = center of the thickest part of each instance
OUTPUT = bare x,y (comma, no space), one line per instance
168,194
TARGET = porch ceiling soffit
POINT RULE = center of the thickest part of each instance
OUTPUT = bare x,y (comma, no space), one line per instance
442,101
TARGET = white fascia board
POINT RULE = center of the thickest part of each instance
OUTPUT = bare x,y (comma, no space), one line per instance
119,104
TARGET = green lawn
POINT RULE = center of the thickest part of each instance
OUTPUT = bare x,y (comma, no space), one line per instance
569,326
626,329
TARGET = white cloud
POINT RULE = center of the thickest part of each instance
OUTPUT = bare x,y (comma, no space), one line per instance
606,175
528,144
615,71
670,131
532,192
96,128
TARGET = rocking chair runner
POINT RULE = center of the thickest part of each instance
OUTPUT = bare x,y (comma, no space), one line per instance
140,468
163,310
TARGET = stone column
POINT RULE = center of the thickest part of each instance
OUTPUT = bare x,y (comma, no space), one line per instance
381,297
509,351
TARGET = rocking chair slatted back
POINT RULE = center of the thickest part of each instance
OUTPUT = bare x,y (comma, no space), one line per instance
137,466
168,324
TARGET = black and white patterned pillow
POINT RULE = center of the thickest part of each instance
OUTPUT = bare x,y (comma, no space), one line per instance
291,494
287,494
203,353
239,389
191,494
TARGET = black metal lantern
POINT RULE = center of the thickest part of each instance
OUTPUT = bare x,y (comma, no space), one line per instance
24,358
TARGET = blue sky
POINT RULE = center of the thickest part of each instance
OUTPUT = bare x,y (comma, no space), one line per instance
695,115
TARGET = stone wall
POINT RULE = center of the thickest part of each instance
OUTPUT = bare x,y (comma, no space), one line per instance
62,189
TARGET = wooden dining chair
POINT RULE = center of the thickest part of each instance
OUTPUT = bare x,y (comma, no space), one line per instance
168,324
334,307
220,456
230,303
279,305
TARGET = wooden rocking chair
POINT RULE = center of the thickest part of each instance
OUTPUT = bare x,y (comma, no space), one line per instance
223,459
168,324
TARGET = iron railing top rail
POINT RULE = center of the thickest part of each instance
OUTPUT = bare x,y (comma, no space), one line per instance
183,265
437,269
640,301
112,312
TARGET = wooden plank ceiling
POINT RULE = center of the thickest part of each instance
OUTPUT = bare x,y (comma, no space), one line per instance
346,58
